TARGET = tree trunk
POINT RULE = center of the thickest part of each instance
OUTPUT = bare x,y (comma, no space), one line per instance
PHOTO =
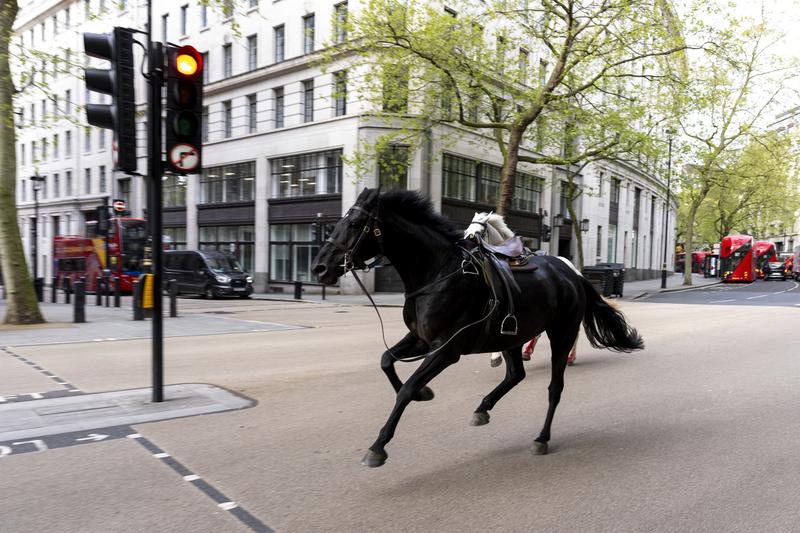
508,175
22,307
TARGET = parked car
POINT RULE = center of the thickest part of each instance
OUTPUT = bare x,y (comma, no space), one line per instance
210,274
775,270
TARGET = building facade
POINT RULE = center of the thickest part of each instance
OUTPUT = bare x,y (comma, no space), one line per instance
278,136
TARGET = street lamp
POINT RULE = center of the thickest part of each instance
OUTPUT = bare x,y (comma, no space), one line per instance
585,225
666,210
37,182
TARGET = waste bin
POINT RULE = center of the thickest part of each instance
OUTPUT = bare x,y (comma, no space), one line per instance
618,277
600,277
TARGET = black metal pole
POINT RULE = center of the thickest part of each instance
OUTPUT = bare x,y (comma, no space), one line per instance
116,291
156,82
79,314
53,288
666,215
66,285
173,297
35,243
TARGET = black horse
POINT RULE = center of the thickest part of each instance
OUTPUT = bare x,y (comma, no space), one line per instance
449,307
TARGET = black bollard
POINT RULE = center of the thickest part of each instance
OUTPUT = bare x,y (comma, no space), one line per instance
323,291
53,287
172,287
298,290
79,315
116,291
38,288
107,289
98,291
138,312
65,284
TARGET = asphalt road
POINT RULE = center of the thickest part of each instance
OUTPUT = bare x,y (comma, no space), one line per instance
759,293
698,432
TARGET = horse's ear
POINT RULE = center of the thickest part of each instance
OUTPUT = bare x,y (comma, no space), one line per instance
362,197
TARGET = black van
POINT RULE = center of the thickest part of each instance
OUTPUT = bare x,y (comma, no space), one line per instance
211,274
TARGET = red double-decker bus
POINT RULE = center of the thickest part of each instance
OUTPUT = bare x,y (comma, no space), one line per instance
765,252
737,259
76,256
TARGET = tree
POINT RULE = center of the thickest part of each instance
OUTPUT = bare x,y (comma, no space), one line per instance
592,57
734,89
22,307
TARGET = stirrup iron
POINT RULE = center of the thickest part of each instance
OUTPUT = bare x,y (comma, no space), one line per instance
505,329
468,267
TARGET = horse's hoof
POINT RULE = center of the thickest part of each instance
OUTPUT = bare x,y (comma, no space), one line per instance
495,361
425,394
374,459
479,418
539,448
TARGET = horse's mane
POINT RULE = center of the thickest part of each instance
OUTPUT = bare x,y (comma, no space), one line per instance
417,208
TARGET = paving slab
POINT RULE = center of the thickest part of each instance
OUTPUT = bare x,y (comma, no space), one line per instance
50,416
18,378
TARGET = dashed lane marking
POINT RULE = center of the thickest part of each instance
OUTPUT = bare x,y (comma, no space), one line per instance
721,301
759,296
67,385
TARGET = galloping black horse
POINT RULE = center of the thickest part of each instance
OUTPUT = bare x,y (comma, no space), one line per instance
449,307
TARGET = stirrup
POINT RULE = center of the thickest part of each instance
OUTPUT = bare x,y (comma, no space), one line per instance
468,267
503,328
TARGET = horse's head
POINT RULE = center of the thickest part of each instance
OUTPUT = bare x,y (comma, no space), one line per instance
354,240
477,226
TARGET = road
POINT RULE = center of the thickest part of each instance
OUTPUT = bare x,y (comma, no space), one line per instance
698,432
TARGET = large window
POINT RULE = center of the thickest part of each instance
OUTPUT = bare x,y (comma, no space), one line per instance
278,107
307,174
252,113
279,43
292,248
340,19
527,193
458,178
252,52
308,101
227,61
340,92
229,183
238,241
176,237
174,191
227,118
489,183
308,34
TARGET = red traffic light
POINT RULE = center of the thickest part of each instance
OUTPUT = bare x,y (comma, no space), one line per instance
188,61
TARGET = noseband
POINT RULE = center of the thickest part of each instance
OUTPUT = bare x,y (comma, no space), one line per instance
370,227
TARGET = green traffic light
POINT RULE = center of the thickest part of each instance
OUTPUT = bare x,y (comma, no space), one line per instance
185,125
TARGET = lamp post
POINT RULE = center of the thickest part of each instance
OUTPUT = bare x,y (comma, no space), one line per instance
666,210
37,182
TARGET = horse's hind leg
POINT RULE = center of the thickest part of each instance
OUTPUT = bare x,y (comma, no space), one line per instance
409,346
515,372
561,343
429,369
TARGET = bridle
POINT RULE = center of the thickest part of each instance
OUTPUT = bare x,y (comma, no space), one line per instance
370,227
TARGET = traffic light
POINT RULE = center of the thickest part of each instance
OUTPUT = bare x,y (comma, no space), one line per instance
118,81
103,220
184,141
545,233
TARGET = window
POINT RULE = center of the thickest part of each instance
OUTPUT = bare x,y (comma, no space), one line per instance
598,248
527,193
308,34
67,21
204,126
612,243
176,238
253,4
68,100
164,26
307,174
340,22
56,185
44,188
87,181
229,183
228,118
564,201
393,167
203,15
292,248
184,13
102,178
23,190
22,154
308,101
395,89
340,92
252,52
45,151
252,114
55,25
238,241
55,146
87,139
278,107
227,61
458,178
68,144
34,156
523,65
488,183
101,140
124,190
68,183
279,43
174,188
206,68
615,186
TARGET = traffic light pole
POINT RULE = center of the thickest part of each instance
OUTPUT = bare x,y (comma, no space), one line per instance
156,82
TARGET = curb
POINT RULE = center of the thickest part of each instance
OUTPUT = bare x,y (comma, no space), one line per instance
678,289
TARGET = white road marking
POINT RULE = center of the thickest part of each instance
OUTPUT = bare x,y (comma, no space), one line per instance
191,477
134,436
40,445
759,296
160,455
94,437
227,506
721,301
75,390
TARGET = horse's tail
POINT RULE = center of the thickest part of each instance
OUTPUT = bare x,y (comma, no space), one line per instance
606,326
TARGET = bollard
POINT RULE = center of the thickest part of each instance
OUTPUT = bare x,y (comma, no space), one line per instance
79,315
38,288
298,290
323,291
172,287
138,312
65,284
116,291
98,294
107,289
53,287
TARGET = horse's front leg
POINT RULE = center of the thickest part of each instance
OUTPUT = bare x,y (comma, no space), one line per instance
515,372
431,367
409,346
